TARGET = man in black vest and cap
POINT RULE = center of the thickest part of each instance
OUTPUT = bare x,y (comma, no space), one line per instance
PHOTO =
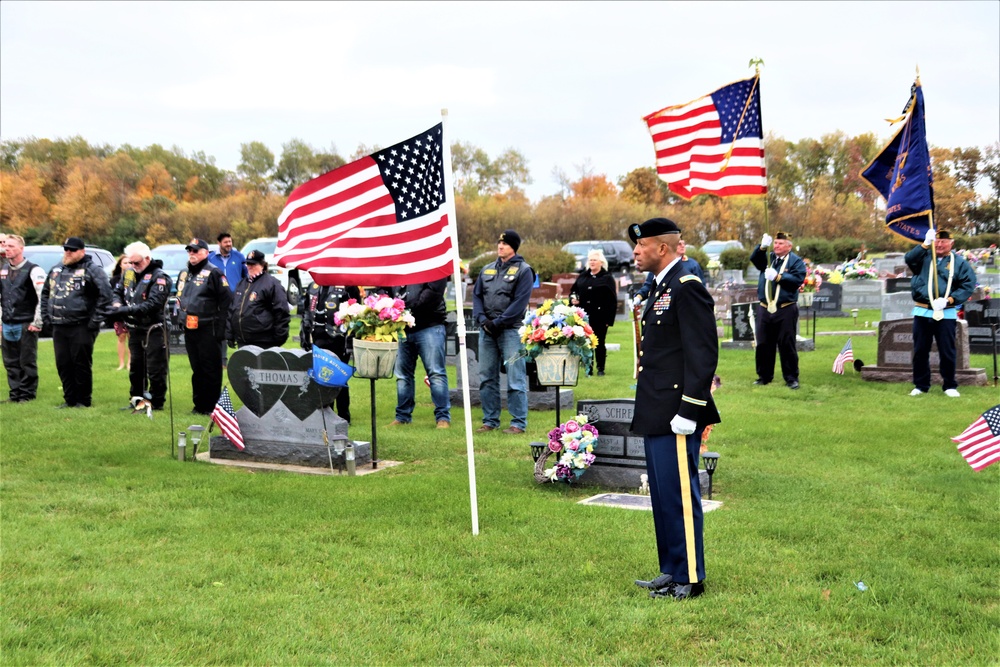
204,297
678,356
75,300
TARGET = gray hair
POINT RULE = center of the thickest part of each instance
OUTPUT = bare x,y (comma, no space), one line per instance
599,254
137,248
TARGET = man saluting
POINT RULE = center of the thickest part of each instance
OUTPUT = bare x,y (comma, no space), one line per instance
673,404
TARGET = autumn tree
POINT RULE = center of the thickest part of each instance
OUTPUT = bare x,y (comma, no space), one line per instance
256,166
23,205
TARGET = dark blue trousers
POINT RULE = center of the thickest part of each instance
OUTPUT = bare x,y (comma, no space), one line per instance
925,331
676,496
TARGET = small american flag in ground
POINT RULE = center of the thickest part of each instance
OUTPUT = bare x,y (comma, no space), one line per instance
980,443
225,417
378,221
845,357
713,145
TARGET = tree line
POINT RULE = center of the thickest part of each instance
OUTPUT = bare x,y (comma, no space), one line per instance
50,189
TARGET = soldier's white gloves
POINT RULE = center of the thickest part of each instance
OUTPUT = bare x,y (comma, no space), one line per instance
765,241
770,273
636,300
929,237
939,304
682,426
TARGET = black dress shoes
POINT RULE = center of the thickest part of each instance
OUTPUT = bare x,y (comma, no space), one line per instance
760,382
678,591
794,384
654,584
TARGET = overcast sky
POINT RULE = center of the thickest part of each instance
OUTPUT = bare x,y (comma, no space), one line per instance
566,84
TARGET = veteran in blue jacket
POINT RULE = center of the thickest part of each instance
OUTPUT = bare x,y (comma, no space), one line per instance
935,307
781,275
678,357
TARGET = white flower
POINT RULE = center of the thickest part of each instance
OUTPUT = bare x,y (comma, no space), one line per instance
384,302
545,321
578,332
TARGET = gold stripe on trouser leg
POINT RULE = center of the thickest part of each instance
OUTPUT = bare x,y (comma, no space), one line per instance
685,478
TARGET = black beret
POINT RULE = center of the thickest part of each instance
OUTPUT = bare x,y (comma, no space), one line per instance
783,236
652,227
943,234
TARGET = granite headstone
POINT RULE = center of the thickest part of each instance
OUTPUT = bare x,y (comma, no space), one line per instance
865,294
895,356
284,412
828,300
983,316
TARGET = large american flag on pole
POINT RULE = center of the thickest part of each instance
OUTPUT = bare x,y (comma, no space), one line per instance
979,444
225,416
713,145
380,220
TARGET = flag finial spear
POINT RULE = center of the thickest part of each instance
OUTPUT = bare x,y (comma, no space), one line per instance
756,63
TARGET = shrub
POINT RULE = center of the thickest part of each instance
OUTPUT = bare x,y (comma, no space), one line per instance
846,248
734,259
820,251
546,260
697,255
963,242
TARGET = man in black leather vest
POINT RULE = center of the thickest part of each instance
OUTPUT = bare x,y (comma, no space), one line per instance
318,327
204,296
140,300
20,299
75,299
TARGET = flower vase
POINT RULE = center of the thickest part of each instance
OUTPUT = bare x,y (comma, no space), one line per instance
557,367
375,359
806,299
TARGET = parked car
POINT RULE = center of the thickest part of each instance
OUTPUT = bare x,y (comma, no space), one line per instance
47,256
618,253
289,278
715,248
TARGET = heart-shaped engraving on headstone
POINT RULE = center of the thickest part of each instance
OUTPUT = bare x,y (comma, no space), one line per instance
262,378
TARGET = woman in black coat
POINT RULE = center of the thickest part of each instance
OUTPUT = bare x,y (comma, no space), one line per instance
597,293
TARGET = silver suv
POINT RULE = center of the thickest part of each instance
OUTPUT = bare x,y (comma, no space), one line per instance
618,253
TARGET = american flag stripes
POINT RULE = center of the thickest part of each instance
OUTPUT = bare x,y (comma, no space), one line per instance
225,416
713,145
380,220
846,356
979,444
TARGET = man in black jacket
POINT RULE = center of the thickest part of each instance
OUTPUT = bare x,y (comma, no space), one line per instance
259,314
203,295
20,299
426,339
778,311
140,300
322,302
673,404
75,300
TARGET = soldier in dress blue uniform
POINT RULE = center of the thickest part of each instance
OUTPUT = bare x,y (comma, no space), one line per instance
673,404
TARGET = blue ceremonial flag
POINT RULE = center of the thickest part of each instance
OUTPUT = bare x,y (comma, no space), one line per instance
328,370
902,174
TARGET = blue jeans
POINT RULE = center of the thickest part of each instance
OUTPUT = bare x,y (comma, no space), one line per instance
492,353
428,344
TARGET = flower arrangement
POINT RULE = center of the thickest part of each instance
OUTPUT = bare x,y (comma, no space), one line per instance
574,443
859,269
813,280
555,323
380,318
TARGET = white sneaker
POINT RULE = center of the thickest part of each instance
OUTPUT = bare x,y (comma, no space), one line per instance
952,393
917,392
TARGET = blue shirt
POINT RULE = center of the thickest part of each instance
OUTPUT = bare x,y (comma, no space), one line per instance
234,266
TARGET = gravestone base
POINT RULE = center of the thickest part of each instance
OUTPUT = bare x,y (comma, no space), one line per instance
537,400
610,476
288,453
968,377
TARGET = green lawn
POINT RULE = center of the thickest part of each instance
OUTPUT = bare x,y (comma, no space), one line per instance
115,554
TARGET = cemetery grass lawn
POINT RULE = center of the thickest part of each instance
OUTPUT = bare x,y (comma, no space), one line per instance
115,554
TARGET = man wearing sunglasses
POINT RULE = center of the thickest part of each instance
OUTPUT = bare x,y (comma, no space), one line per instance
76,298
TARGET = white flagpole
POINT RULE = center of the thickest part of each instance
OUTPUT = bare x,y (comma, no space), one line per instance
460,320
